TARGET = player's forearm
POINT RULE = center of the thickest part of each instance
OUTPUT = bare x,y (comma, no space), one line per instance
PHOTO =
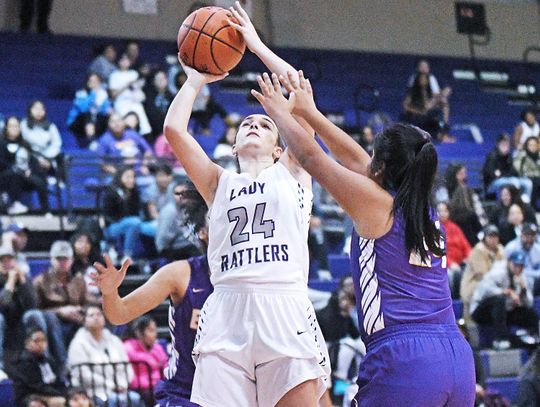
273,62
341,145
177,119
114,309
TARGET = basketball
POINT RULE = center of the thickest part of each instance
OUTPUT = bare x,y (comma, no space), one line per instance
208,43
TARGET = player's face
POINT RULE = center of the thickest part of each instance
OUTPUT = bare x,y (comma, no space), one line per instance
257,132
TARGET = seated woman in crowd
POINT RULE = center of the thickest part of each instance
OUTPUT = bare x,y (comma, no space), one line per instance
527,164
510,228
103,63
142,347
87,118
99,363
44,138
85,254
509,195
122,208
528,127
125,88
20,170
425,110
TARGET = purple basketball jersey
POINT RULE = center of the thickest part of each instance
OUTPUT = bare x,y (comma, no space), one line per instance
393,287
183,323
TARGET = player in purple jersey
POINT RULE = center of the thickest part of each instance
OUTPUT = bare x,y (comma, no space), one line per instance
187,285
416,355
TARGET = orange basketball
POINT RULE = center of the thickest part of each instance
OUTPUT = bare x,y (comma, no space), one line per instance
208,43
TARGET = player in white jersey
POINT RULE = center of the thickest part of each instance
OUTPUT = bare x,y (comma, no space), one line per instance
259,343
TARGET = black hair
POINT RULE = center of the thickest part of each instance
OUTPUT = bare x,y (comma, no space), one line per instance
138,326
117,179
502,137
416,94
527,111
450,176
132,113
100,49
88,77
409,162
31,122
161,167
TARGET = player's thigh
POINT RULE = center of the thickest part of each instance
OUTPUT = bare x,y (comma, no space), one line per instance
290,382
219,382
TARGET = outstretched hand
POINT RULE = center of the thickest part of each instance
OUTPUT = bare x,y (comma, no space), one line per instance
245,27
200,77
108,278
301,87
271,98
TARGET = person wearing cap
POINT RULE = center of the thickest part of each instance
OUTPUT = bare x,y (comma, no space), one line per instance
528,243
17,297
16,235
62,295
504,297
483,255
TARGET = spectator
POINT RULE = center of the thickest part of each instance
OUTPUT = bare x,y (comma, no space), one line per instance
122,208
86,253
224,149
462,213
16,236
422,67
483,255
424,109
132,122
42,9
509,195
172,235
158,99
527,164
341,332
527,242
20,170
528,127
61,294
44,138
87,118
457,248
528,393
511,227
204,107
504,297
499,170
103,64
133,50
78,397
157,194
367,139
119,143
35,374
17,296
95,344
165,153
142,347
125,87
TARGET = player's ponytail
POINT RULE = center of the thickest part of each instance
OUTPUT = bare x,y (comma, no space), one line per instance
410,165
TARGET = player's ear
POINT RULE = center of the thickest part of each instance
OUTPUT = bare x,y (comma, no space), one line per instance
277,152
234,151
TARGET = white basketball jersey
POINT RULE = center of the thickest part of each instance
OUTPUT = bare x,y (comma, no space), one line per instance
258,230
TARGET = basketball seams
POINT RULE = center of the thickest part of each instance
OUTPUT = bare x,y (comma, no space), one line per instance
189,27
199,36
214,38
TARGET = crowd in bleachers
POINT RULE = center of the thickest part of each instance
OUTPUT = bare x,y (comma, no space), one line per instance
53,319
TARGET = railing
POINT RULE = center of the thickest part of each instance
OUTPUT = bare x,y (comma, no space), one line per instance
107,378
